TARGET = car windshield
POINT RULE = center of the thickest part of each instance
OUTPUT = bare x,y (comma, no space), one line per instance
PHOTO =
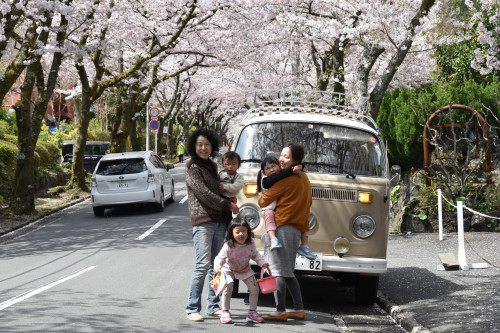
121,167
328,148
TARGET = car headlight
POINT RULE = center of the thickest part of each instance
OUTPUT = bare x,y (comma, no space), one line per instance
363,226
250,215
313,221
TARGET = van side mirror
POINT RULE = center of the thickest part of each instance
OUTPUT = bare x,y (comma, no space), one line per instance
170,166
395,175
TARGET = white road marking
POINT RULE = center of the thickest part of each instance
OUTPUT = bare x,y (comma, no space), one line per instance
153,228
183,200
28,294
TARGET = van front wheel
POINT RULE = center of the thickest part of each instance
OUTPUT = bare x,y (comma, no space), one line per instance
366,289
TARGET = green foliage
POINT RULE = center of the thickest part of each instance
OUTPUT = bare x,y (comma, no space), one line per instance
10,138
4,129
48,136
427,200
44,155
395,193
492,197
401,116
10,118
96,134
454,60
53,152
403,113
8,152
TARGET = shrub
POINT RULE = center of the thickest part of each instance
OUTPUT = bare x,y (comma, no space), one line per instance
492,197
8,152
403,113
10,138
53,151
44,156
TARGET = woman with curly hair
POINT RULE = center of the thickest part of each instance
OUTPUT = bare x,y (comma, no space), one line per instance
206,209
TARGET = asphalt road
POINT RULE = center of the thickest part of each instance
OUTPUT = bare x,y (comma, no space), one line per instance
129,272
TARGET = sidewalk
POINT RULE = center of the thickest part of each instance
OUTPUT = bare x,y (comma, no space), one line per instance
420,297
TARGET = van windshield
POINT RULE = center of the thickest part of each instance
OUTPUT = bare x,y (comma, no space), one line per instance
328,148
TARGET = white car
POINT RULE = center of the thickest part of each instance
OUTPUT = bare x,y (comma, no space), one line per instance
129,178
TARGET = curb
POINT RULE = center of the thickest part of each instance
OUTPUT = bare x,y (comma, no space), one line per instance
36,220
403,319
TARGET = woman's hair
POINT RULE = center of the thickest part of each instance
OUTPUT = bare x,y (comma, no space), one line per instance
238,222
297,150
211,137
268,159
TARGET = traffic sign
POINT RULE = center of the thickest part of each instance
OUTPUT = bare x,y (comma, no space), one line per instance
154,124
154,112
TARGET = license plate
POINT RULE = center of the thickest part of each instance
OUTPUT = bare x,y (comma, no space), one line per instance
304,264
122,185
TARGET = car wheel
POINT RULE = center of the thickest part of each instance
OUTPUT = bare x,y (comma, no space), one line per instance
366,289
98,211
161,206
172,194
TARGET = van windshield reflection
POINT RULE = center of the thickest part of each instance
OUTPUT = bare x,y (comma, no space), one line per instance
328,148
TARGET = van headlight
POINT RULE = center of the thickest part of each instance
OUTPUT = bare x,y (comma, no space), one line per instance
363,226
250,215
341,245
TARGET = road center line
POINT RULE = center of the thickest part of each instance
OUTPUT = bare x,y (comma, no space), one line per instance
153,228
28,294
183,199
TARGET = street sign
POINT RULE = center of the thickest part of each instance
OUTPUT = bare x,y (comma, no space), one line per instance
154,112
154,125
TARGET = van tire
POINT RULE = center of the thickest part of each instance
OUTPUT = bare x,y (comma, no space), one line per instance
366,289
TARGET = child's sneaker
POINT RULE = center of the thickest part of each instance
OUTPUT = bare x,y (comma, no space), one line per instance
254,316
275,244
306,252
225,318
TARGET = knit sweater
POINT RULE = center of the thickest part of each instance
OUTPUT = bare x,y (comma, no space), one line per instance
232,183
204,200
294,199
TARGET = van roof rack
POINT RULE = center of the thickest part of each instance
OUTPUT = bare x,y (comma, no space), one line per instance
335,104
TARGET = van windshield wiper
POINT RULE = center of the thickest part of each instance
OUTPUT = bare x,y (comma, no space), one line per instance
349,174
254,160
328,165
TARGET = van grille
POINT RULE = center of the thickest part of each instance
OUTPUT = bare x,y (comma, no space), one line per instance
335,194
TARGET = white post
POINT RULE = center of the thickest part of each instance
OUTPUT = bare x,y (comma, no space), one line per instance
440,214
462,261
147,126
156,141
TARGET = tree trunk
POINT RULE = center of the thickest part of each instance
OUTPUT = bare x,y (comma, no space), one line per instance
78,172
23,196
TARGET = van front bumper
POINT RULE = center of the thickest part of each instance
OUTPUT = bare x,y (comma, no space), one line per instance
353,265
333,264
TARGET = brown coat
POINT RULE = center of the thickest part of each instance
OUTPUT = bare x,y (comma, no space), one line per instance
204,200
294,200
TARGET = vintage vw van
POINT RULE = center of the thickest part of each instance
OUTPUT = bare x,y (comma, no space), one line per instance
346,162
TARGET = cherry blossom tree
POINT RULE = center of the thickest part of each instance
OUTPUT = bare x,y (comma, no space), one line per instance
352,46
41,60
485,25
138,32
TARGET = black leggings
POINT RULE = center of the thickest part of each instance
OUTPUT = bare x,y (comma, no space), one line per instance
292,284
